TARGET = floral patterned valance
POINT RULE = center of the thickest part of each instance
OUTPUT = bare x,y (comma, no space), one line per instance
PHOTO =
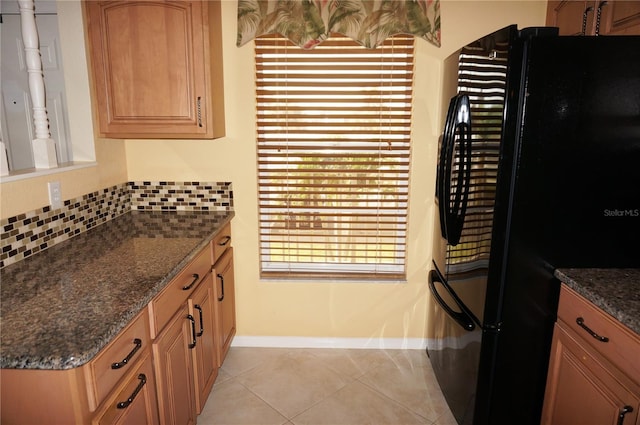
309,22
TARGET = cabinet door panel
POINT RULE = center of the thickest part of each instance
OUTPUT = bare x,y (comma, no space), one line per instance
568,16
135,44
621,18
174,371
205,355
577,380
225,303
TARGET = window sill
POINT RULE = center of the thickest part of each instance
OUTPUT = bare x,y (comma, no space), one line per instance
32,172
329,280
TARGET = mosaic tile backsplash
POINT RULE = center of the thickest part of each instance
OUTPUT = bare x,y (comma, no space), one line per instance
180,196
29,233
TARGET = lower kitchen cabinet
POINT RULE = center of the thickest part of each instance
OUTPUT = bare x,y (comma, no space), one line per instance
159,369
226,304
582,390
593,372
106,390
187,350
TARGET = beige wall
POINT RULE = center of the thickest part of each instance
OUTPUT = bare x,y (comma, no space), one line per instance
295,308
32,193
312,308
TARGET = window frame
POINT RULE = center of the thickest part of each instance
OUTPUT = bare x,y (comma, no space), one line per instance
82,143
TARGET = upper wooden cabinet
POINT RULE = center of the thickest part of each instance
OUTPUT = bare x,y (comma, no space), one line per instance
156,68
617,17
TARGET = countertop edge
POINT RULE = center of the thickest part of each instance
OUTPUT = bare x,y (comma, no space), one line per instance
617,303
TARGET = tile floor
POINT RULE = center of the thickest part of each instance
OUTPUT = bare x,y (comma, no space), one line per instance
285,386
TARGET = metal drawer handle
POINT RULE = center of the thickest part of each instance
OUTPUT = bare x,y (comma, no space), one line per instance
580,322
197,307
193,331
224,241
118,365
623,413
221,277
195,277
125,404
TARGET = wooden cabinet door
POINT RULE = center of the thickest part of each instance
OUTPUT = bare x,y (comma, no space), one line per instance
582,390
134,402
617,17
174,370
205,353
568,16
151,67
620,18
225,303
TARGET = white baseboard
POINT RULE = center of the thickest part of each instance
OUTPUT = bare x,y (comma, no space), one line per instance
312,342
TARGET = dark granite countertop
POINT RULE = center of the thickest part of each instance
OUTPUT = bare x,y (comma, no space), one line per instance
615,291
61,306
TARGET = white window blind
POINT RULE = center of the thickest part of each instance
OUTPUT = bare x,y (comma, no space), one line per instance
333,157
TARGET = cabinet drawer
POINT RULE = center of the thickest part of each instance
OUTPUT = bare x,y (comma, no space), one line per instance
115,360
167,302
623,346
221,242
135,400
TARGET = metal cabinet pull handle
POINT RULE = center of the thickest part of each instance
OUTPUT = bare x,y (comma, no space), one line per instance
584,19
199,112
224,241
580,322
623,413
193,331
221,277
197,307
125,404
599,13
118,365
195,277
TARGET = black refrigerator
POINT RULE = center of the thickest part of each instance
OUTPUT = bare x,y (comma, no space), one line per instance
538,169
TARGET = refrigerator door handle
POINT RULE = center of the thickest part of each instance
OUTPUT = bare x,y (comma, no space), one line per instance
443,192
453,209
465,318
